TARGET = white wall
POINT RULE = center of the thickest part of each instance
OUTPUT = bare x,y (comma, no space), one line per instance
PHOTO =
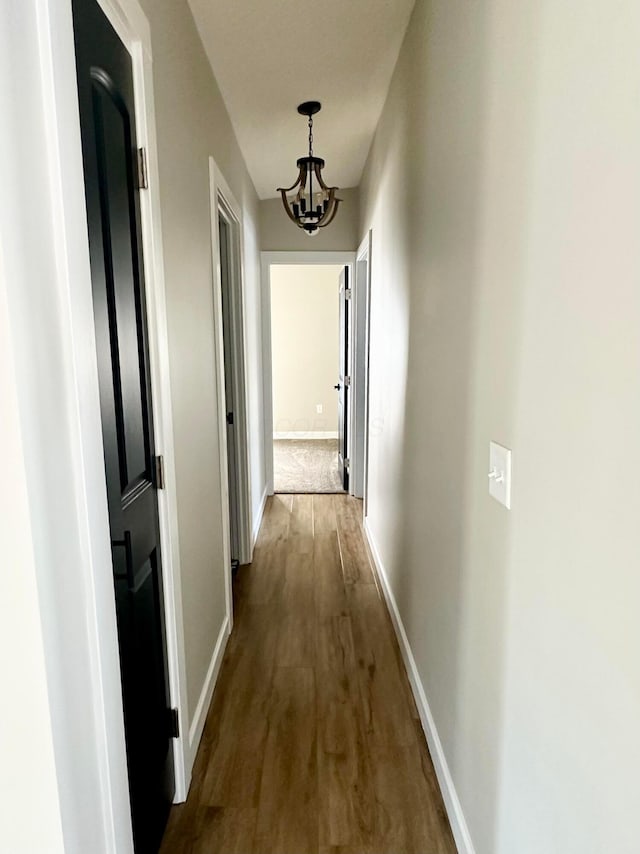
279,234
304,342
254,368
28,784
503,190
192,124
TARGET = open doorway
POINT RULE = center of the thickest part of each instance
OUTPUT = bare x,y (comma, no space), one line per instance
307,405
226,237
312,357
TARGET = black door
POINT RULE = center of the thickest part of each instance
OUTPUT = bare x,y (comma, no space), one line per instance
107,119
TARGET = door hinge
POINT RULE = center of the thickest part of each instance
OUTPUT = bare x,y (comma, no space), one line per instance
229,417
143,173
158,470
347,382
173,723
347,464
347,293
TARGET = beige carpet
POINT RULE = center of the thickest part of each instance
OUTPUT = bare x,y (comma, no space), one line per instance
306,465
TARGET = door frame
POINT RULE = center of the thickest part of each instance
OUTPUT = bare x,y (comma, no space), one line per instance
269,259
223,201
130,23
63,155
360,380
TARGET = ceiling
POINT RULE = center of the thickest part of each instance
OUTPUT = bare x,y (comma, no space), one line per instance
270,55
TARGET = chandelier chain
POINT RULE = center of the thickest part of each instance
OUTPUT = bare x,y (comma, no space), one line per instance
310,136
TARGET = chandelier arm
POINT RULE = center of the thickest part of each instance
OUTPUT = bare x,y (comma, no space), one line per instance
301,179
331,201
329,206
331,216
285,203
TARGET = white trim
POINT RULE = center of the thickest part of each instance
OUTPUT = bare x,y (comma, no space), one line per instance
267,370
229,208
360,396
450,796
129,21
307,434
223,203
267,260
220,393
258,520
204,701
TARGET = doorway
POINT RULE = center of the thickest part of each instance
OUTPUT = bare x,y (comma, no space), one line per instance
310,350
133,472
362,308
305,336
228,319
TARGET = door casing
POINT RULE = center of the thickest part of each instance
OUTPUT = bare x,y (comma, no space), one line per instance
288,258
131,25
224,204
345,377
360,378
108,125
62,153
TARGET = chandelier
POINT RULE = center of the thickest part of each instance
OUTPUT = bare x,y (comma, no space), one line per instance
311,207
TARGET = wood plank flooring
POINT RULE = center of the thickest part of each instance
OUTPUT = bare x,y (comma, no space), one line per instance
312,744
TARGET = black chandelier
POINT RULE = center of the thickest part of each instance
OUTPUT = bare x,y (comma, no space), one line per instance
311,208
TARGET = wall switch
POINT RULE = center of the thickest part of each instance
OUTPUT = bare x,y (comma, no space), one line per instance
319,408
500,474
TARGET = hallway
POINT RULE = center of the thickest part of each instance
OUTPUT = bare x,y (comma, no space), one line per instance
312,744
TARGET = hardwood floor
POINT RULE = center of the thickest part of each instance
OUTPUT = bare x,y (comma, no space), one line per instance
312,743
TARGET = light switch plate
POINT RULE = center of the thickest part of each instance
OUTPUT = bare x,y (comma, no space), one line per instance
500,474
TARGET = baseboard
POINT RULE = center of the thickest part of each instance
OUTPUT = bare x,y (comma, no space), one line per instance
197,725
258,519
307,434
452,803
